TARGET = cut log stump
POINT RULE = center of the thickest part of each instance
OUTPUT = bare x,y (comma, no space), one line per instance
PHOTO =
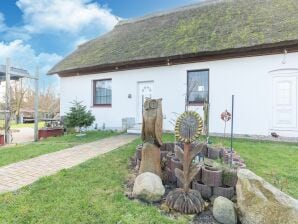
150,159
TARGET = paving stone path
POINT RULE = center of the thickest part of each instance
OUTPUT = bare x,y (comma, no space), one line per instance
17,175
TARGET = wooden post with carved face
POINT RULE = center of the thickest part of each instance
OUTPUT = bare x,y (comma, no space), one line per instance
151,136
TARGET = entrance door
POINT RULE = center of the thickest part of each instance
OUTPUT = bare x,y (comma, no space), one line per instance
285,102
144,91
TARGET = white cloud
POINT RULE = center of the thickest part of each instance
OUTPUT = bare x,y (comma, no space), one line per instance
71,16
72,22
2,22
15,33
81,40
23,56
9,33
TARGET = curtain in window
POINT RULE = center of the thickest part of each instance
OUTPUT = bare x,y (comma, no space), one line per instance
198,86
103,92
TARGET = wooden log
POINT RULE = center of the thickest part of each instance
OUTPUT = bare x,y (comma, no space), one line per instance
206,191
227,192
150,159
212,176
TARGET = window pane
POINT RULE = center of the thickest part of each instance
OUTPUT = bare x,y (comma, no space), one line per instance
109,100
97,100
198,86
103,92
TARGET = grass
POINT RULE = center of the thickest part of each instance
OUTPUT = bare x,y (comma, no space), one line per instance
89,193
14,125
41,124
93,192
266,157
26,151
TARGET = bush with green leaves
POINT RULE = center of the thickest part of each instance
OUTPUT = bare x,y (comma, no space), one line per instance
78,116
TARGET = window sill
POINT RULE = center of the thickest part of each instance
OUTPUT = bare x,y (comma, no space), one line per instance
101,106
195,104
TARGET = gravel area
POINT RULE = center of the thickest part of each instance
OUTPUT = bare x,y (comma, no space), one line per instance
22,135
205,217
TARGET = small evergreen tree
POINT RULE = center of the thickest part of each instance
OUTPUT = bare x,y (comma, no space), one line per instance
78,116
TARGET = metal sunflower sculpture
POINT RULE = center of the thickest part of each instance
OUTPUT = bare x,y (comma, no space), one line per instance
188,128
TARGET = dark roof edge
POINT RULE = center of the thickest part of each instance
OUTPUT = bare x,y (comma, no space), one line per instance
258,50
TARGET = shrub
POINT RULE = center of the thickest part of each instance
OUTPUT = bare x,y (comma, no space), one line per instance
78,116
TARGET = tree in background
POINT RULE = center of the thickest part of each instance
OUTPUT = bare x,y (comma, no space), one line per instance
18,91
49,101
78,116
22,101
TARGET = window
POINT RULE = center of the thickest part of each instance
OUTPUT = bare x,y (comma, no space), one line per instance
198,87
102,93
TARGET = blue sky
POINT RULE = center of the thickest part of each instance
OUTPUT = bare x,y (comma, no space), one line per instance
42,32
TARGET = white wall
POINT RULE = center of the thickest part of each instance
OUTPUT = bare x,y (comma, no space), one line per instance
247,78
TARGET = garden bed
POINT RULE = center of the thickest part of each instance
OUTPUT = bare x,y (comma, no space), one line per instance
210,181
50,132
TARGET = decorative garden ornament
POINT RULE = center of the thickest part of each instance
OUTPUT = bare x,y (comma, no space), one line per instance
152,121
188,128
225,116
151,136
189,170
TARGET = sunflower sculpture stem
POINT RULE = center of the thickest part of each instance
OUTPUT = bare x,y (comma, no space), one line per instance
184,199
187,129
186,166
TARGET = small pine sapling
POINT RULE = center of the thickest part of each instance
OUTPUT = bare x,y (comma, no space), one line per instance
79,116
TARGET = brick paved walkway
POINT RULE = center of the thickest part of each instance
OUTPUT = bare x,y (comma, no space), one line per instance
17,175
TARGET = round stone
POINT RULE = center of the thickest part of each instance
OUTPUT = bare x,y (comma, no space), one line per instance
148,186
224,211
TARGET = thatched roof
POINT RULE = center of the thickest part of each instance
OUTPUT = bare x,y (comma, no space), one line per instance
212,26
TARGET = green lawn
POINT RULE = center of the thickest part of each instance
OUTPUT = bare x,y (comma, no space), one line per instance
25,151
89,193
41,124
93,192
14,125
264,158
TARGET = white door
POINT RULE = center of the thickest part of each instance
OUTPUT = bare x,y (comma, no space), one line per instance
144,91
285,102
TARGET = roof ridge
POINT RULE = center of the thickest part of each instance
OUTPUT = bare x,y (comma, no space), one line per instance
213,27
153,15
167,12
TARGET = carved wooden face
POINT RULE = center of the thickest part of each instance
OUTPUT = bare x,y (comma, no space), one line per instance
152,121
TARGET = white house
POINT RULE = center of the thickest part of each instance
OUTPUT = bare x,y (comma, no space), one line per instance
210,50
